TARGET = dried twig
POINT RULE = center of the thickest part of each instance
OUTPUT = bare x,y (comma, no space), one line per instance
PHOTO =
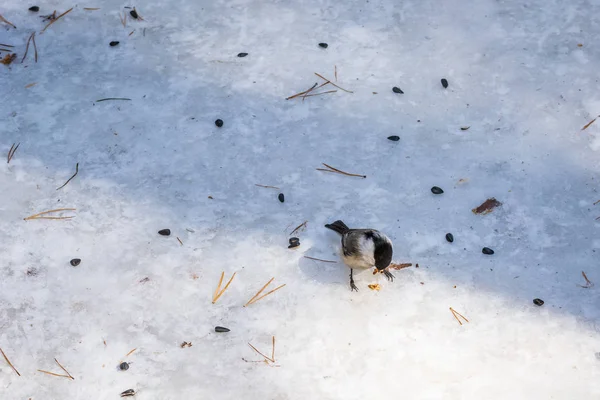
11,152
53,374
256,298
74,175
218,292
328,81
8,361
588,283
57,18
331,169
112,98
318,259
454,312
301,93
296,229
589,123
63,368
38,216
2,19
266,186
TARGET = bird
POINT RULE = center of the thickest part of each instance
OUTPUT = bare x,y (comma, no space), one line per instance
364,249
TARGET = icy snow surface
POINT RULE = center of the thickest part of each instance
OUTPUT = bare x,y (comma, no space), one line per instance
517,76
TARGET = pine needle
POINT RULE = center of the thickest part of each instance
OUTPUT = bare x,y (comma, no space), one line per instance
255,299
57,18
259,292
318,94
328,81
588,283
131,352
53,374
38,215
318,259
331,169
302,225
588,124
8,361
301,93
74,175
454,312
266,186
218,292
63,368
11,152
2,19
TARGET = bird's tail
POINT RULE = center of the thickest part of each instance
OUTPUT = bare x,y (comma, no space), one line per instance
338,226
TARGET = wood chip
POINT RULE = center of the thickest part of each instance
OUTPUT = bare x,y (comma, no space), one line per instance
8,59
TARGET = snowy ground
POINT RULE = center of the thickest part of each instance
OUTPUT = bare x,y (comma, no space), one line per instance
516,76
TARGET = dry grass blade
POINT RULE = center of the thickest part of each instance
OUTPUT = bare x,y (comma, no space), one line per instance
266,186
331,169
219,294
131,33
11,152
328,81
302,225
64,369
400,266
588,124
318,259
8,361
69,180
318,94
266,294
301,93
53,374
38,215
57,18
7,21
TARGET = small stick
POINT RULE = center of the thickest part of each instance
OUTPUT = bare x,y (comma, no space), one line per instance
128,354
454,312
36,216
57,18
74,175
112,98
266,294
218,293
266,186
11,152
259,292
63,368
325,79
179,240
53,374
301,93
8,361
7,21
318,259
589,123
318,94
331,169
298,227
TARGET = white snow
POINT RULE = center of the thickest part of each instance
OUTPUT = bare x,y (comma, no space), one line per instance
516,76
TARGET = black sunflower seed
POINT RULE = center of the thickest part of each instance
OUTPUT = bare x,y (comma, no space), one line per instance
134,14
219,123
394,138
113,43
75,262
444,83
538,302
242,54
487,250
292,245
164,232
281,197
323,45
128,393
436,190
450,237
294,240
397,90
34,8
123,366
221,329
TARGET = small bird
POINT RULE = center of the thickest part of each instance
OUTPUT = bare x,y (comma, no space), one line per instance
363,249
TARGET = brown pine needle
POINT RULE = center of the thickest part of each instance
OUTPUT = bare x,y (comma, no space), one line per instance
311,89
35,54
597,202
128,354
27,47
37,216
53,374
273,351
5,45
219,294
266,294
74,175
63,368
7,21
325,79
259,292
131,33
256,350
331,169
318,94
90,8
30,85
8,361
301,93
299,227
57,18
179,240
588,124
11,152
318,259
588,283
266,186
335,72
454,312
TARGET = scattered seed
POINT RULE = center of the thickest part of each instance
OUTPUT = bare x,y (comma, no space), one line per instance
221,329
397,90
128,393
487,250
75,262
164,232
444,83
436,190
113,43
323,45
538,302
450,237
34,8
293,245
242,55
281,197
464,128
124,366
394,138
134,14
219,123
294,240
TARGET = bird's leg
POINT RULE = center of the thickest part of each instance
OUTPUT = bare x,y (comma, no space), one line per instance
352,285
388,275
